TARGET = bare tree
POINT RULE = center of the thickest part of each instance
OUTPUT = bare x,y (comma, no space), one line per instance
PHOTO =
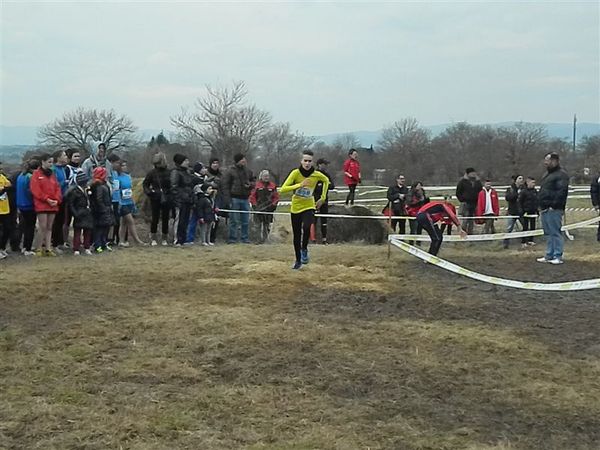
279,148
346,141
522,144
76,129
223,121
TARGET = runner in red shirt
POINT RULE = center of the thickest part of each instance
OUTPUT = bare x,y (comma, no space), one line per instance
428,217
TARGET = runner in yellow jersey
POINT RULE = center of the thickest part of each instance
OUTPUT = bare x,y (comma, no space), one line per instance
302,181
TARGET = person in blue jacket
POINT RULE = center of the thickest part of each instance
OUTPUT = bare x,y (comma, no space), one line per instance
126,207
61,172
27,216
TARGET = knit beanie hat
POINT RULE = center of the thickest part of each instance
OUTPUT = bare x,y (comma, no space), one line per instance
238,157
99,173
81,179
198,167
179,158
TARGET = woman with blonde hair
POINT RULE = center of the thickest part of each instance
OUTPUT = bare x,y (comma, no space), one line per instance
157,186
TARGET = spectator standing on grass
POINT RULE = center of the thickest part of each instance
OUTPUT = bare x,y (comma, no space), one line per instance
27,215
352,177
5,228
528,203
415,199
14,237
61,172
237,184
554,189
264,198
182,185
157,186
199,175
47,198
97,158
102,208
302,182
73,168
514,207
215,176
80,208
396,196
428,217
467,193
322,164
204,210
488,206
113,169
595,194
127,208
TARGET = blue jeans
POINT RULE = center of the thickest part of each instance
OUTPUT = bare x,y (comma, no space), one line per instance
510,225
237,219
551,223
191,231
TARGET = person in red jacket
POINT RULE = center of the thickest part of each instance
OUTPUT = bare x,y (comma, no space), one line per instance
351,175
46,201
430,215
487,205
264,197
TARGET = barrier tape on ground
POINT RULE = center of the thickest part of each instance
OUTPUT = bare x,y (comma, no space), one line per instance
493,237
447,265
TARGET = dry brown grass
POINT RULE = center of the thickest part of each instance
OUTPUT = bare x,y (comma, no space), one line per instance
229,348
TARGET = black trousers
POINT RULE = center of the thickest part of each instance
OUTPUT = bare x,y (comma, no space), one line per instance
350,196
400,223
324,209
528,225
162,212
434,232
213,230
184,220
301,224
27,224
58,237
5,230
117,226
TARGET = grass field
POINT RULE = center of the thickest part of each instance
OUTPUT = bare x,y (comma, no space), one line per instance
228,348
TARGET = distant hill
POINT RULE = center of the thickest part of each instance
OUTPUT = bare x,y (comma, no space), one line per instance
23,135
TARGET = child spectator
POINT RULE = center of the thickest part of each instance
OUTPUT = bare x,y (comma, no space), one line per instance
528,200
264,198
101,203
204,210
79,205
47,198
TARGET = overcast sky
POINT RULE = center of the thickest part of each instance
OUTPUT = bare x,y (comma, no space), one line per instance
324,67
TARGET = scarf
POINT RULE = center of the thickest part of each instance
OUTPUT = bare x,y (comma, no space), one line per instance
306,173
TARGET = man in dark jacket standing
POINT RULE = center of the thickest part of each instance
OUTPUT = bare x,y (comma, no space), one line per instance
467,193
182,184
396,196
554,189
514,207
237,185
595,193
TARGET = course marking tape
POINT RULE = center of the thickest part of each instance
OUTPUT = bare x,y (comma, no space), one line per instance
492,237
565,286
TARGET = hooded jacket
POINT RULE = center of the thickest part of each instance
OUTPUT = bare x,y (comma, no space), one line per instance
204,206
264,196
482,204
81,208
101,204
24,196
352,166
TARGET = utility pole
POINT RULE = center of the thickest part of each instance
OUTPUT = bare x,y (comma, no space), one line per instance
574,130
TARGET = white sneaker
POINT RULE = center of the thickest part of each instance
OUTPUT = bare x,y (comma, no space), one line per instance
542,260
211,243
88,252
124,244
27,253
556,261
164,243
3,254
205,244
153,243
76,253
58,251
109,248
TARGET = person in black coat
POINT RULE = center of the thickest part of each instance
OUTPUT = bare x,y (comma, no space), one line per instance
322,164
514,208
529,204
157,186
467,193
595,194
396,196
80,207
102,209
182,185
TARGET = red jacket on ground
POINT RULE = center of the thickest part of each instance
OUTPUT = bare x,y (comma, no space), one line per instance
440,212
44,187
480,210
352,166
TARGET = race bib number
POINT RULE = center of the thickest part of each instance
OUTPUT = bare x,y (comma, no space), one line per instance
116,185
126,194
304,192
